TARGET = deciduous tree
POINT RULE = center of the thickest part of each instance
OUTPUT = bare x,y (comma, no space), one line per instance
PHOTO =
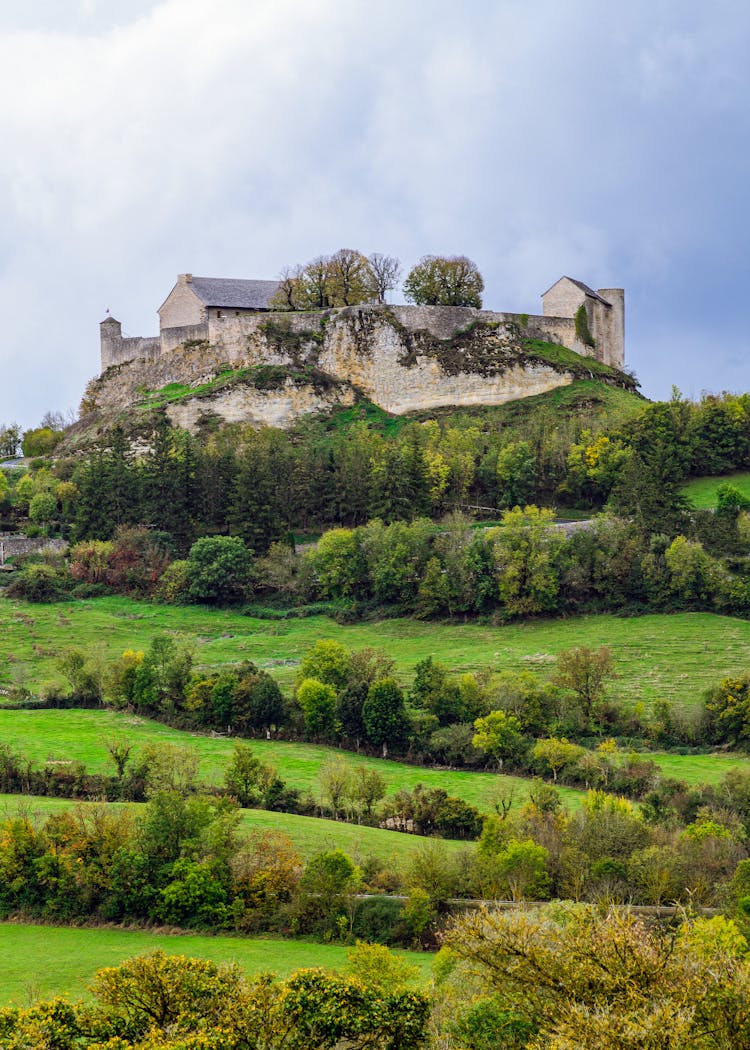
439,280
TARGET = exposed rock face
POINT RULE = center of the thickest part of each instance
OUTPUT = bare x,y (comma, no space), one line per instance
243,404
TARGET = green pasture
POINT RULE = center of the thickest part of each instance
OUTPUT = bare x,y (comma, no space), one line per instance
43,961
701,492
700,769
657,656
309,835
81,735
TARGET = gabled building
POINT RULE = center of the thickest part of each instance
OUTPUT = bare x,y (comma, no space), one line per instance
195,303
605,312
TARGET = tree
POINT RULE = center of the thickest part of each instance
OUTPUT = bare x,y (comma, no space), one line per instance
335,779
579,978
350,278
695,577
439,280
556,754
368,787
525,553
246,777
156,989
386,271
522,870
338,563
318,703
162,677
516,474
384,715
727,707
10,440
43,508
256,702
84,674
327,661
585,672
219,570
169,768
498,734
343,279
40,442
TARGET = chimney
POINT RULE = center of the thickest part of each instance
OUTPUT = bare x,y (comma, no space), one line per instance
184,278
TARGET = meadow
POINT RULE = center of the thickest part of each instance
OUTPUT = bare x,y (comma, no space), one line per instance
80,736
701,492
309,835
43,961
657,656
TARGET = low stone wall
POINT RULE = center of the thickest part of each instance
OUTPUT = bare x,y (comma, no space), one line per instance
14,544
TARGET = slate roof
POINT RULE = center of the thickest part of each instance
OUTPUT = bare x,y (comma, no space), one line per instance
579,284
233,294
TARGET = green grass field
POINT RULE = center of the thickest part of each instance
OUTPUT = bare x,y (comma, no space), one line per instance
700,769
308,834
701,492
675,656
80,736
42,961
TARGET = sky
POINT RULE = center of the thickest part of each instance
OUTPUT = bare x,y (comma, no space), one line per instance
146,138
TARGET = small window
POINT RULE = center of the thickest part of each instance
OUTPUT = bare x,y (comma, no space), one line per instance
218,313
236,313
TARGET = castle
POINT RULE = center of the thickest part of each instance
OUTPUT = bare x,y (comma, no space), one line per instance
218,338
224,311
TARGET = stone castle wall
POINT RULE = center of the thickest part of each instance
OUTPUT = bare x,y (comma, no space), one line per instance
404,359
117,351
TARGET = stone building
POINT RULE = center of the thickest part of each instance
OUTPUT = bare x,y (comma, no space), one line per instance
197,306
605,310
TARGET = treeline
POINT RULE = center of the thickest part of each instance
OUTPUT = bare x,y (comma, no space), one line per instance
182,860
260,484
524,566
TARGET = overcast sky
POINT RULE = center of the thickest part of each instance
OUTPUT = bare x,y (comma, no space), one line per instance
145,138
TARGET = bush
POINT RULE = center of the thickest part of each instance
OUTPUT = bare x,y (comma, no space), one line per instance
174,583
38,582
377,919
219,570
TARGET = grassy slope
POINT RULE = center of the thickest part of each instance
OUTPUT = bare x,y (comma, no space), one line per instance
308,834
588,399
80,735
42,961
675,656
701,492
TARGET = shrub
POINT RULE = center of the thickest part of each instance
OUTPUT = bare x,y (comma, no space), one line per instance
38,582
219,570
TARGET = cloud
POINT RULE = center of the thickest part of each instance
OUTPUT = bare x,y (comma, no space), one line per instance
235,138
